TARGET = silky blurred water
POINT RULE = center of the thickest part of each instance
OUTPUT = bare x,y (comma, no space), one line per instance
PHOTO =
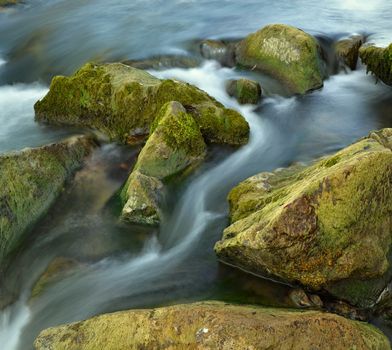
120,266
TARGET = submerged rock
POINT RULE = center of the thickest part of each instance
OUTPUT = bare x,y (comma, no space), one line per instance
325,226
164,62
218,50
347,50
213,325
286,53
4,3
246,91
174,146
378,61
58,267
30,181
122,101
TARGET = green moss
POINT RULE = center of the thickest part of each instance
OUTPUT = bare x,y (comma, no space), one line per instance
319,225
244,90
122,102
347,50
214,325
29,183
286,53
378,61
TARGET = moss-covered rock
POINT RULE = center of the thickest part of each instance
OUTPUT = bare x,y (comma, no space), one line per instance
347,50
58,268
378,61
325,226
175,145
246,91
122,101
4,3
30,181
213,325
140,199
286,53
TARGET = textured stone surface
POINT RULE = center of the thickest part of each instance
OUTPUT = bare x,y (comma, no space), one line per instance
378,61
213,325
286,53
325,226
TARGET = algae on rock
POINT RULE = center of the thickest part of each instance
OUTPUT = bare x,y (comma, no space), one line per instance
122,102
325,226
246,91
175,145
30,181
378,61
347,50
286,53
213,325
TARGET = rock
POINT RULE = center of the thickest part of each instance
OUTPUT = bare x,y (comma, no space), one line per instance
326,226
286,53
30,182
5,3
213,325
175,145
378,61
164,62
58,267
347,50
140,199
218,50
244,90
122,102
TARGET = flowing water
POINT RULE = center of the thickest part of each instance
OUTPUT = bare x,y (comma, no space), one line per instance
116,266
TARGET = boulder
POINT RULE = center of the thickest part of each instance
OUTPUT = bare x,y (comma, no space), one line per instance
30,182
347,50
122,102
218,50
286,53
326,226
213,325
246,91
175,145
5,3
378,61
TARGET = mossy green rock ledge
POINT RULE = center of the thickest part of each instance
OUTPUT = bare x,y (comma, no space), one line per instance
122,102
30,181
326,226
175,146
213,325
286,53
378,61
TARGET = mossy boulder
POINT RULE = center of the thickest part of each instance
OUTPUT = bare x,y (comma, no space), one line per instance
378,61
325,226
122,102
164,62
347,50
213,325
30,181
246,91
286,53
175,146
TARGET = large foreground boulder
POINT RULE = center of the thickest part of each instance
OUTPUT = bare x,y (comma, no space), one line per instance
122,102
378,61
286,53
174,146
326,226
213,325
30,181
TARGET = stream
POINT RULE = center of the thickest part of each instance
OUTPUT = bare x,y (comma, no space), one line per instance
116,266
